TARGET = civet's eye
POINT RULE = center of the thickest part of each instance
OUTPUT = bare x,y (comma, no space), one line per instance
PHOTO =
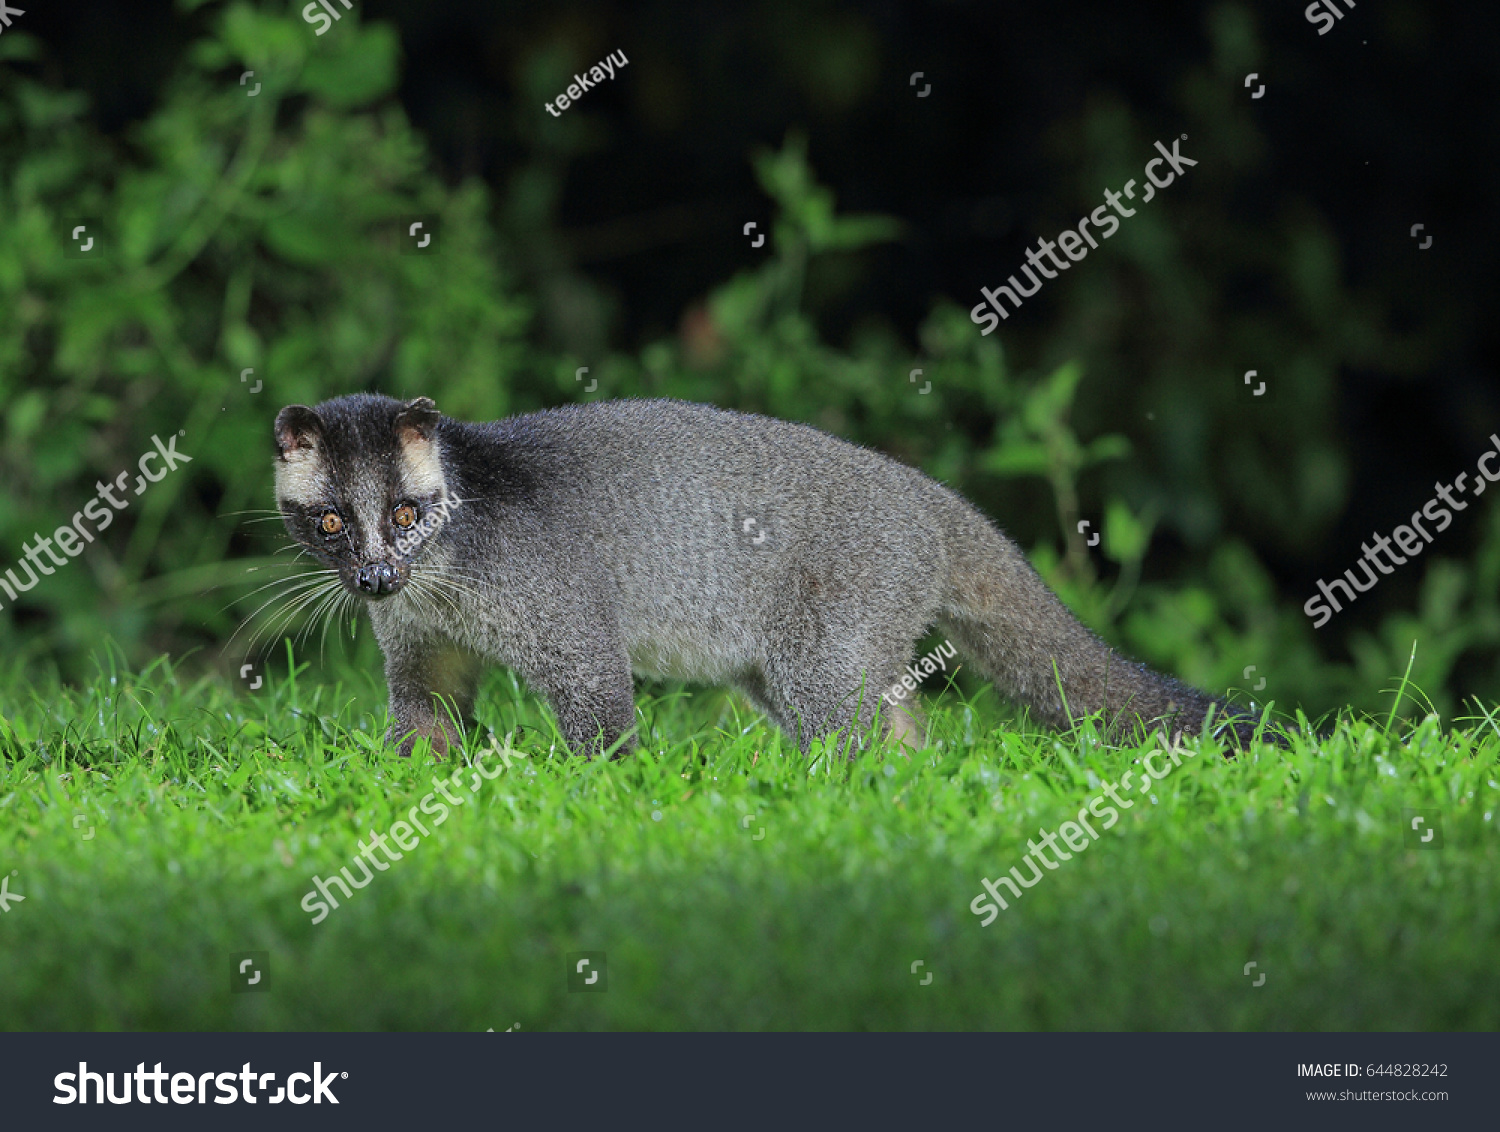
405,515
331,523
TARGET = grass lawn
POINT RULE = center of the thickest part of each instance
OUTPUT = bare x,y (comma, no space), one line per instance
730,882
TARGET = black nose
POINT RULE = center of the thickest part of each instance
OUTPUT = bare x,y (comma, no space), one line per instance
377,579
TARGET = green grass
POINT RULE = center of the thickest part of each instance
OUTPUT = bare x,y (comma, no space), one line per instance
213,807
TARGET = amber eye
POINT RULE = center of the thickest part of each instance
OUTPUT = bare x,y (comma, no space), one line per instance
331,523
405,515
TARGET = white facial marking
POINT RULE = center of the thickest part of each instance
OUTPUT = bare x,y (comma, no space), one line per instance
421,467
300,477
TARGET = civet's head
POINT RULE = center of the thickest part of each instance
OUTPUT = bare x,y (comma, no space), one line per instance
359,481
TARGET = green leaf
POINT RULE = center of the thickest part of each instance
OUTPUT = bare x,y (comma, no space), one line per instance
1111,447
1017,459
307,236
361,71
1125,536
25,414
19,45
1049,403
849,232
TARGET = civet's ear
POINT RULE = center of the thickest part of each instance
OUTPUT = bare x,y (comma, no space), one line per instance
417,420
297,427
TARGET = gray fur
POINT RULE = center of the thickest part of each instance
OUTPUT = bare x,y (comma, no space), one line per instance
663,538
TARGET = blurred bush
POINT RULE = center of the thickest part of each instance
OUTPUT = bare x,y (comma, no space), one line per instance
237,230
